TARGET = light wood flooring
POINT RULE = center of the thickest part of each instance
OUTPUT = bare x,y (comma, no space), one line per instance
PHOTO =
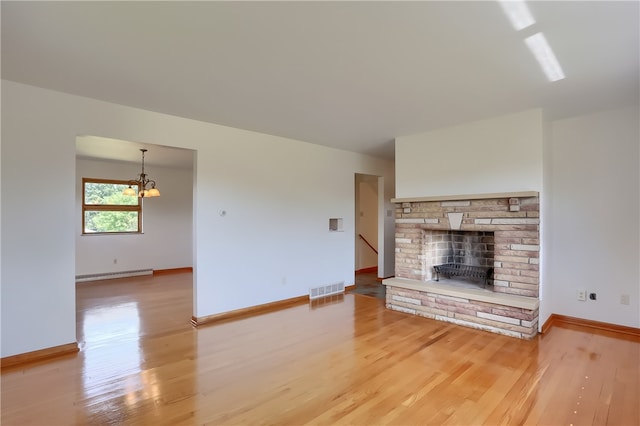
346,360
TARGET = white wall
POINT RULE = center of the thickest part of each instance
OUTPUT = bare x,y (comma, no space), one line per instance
593,219
546,294
272,244
38,217
387,226
502,154
167,222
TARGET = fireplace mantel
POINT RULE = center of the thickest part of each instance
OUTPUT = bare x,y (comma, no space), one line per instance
521,194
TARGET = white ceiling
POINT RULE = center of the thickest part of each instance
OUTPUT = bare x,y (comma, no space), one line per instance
352,75
118,150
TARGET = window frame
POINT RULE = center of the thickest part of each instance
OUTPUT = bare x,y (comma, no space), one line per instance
110,207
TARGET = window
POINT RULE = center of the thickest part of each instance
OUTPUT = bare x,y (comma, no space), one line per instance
105,210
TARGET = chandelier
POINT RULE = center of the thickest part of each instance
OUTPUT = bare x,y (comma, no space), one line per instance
146,187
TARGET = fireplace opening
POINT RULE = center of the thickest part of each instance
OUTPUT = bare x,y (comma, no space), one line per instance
461,258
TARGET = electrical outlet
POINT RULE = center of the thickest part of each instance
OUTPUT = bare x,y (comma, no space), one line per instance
581,295
624,299
592,296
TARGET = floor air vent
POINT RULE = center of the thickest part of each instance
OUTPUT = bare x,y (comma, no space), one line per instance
326,290
110,275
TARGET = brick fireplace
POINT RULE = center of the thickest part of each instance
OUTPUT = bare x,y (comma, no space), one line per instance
506,240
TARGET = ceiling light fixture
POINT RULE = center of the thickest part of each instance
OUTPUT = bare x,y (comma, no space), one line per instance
518,13
540,48
146,187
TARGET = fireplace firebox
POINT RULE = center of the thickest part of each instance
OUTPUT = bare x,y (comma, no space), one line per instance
460,255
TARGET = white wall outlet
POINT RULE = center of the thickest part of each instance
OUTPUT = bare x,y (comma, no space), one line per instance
581,295
624,299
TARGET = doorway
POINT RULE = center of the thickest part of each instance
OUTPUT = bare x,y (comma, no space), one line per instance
366,223
165,218
367,236
136,257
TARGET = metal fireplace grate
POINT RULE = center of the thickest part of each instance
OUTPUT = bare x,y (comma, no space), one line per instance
465,271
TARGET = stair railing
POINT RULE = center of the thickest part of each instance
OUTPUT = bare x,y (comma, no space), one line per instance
368,243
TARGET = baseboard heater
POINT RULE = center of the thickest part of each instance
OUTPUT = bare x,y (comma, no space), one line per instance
326,290
111,275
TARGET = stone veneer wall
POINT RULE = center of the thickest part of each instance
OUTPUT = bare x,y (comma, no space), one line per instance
511,307
516,238
496,318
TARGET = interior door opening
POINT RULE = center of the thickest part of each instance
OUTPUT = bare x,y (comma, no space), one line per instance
366,224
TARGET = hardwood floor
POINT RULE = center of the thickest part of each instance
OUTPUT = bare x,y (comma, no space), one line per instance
345,361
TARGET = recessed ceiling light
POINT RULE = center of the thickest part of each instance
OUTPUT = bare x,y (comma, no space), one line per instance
518,13
540,48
